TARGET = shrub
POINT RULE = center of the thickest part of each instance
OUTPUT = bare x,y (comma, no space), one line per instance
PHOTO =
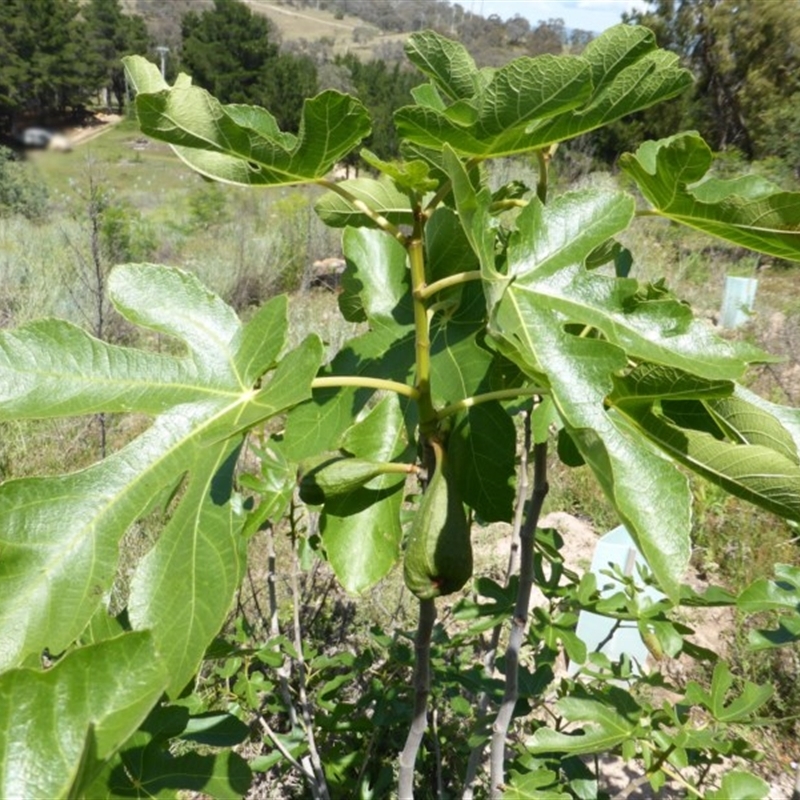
21,191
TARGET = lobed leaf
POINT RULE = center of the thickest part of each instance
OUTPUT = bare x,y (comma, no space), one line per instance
482,449
747,423
546,256
648,492
381,197
447,248
242,144
375,285
531,103
538,785
60,535
787,632
673,175
739,708
147,766
740,785
411,176
61,723
773,595
754,473
448,63
609,725
361,533
649,383
376,290
788,417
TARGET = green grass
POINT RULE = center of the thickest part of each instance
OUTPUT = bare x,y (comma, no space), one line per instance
125,161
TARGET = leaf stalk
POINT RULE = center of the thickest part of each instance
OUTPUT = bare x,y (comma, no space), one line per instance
364,382
475,400
361,206
430,289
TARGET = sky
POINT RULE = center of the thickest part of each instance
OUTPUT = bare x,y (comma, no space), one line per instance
589,15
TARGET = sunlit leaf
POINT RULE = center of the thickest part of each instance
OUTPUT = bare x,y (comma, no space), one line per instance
606,726
672,174
361,532
58,723
531,103
753,472
60,535
740,785
381,197
242,144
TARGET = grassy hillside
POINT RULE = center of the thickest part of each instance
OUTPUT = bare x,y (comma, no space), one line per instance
350,34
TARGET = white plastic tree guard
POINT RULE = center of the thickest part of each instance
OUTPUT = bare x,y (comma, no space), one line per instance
738,301
616,548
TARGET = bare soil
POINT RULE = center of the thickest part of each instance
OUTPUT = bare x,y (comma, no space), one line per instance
100,124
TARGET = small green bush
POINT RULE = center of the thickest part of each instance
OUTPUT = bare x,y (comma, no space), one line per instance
21,191
207,207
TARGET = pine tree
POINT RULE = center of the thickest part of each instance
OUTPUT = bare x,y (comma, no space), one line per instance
227,49
112,35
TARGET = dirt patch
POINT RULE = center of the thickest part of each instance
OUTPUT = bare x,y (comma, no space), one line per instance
98,125
712,628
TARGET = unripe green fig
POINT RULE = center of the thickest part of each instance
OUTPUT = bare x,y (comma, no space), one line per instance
438,558
334,475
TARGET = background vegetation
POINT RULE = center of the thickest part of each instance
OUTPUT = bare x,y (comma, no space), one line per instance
66,219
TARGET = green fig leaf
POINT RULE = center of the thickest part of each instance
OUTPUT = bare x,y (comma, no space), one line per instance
672,175
62,723
361,532
242,144
49,592
531,103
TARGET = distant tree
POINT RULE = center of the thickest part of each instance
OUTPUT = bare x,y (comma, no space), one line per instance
291,80
235,55
382,88
43,67
112,35
227,50
578,39
11,68
547,37
746,58
517,29
163,21
335,76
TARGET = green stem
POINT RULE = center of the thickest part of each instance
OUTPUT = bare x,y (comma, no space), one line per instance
440,195
361,206
363,382
505,205
416,260
500,394
678,778
428,290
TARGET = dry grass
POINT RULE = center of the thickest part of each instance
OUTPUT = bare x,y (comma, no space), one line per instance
311,25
